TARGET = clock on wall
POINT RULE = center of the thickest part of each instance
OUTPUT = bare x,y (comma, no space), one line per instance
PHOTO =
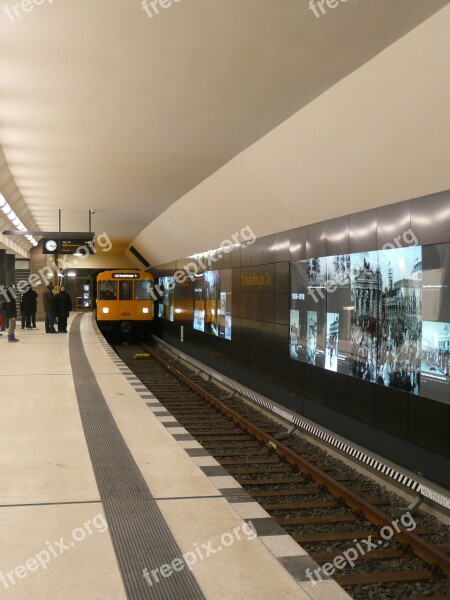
50,246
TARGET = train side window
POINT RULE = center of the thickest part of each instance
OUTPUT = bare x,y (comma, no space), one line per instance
107,290
126,290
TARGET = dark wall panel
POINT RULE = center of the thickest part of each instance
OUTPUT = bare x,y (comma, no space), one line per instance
236,257
297,244
336,241
336,391
362,396
315,240
282,246
256,250
282,278
362,234
235,306
255,307
430,218
268,250
268,307
393,221
246,255
282,309
314,383
424,416
391,410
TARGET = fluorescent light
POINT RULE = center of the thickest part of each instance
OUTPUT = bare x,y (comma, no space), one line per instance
2,201
6,208
12,215
21,227
16,222
71,274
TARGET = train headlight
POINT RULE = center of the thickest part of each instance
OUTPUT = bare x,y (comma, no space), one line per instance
145,310
105,310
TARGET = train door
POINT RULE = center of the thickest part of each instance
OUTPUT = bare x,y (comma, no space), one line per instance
125,296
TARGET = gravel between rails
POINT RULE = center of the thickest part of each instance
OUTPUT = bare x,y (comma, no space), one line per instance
167,389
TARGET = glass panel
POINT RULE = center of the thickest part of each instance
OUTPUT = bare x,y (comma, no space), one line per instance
125,290
107,290
199,304
143,290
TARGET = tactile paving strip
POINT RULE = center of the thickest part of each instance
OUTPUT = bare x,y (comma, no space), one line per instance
140,535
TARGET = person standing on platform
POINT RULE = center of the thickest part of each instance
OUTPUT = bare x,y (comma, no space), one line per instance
49,309
11,312
29,300
22,312
63,306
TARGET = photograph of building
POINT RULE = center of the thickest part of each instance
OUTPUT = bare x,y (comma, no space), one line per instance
332,342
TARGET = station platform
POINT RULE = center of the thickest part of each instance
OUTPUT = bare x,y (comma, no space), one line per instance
103,496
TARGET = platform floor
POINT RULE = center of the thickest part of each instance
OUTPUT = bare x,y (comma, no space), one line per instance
98,483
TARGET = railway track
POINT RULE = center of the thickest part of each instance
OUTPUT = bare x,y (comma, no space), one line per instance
322,503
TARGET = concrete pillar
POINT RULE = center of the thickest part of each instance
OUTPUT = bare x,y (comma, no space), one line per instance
2,267
10,264
2,282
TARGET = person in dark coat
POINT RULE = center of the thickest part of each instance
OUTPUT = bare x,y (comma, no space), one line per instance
63,306
11,312
49,308
29,304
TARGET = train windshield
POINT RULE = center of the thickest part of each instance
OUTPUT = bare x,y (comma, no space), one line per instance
126,290
107,290
143,290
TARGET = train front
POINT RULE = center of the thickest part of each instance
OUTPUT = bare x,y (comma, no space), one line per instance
125,303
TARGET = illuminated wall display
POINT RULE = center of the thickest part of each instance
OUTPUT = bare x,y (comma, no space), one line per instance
205,301
212,303
363,314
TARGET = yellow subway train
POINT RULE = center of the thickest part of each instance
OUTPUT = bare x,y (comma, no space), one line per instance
125,302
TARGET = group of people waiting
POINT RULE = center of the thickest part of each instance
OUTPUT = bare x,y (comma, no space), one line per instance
57,307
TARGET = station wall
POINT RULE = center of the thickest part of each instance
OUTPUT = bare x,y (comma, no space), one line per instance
379,136
401,424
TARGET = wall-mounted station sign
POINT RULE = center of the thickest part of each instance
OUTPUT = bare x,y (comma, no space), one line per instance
80,246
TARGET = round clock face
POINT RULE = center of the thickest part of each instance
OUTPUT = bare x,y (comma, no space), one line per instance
50,245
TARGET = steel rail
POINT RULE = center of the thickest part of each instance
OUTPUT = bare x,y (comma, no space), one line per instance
420,547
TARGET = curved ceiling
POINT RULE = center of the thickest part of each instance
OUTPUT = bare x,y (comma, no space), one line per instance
105,107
